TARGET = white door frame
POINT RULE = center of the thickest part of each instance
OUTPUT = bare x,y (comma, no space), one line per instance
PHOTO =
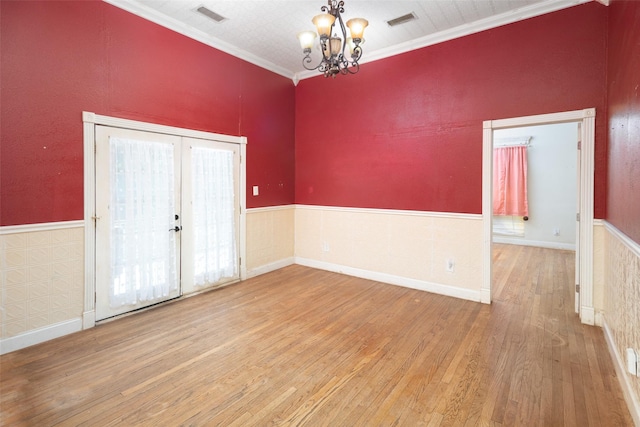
90,120
585,188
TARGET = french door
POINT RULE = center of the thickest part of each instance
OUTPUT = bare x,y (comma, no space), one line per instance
167,217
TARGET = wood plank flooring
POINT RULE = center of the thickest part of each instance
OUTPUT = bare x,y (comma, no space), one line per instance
301,346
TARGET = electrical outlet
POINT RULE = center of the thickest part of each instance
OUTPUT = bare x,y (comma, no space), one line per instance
450,265
256,191
556,231
325,247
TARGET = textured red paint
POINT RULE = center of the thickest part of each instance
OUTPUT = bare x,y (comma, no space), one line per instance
623,203
409,133
90,56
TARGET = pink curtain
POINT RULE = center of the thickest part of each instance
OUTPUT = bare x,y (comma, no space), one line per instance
510,181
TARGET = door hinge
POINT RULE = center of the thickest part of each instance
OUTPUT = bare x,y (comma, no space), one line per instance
578,289
578,217
240,260
579,145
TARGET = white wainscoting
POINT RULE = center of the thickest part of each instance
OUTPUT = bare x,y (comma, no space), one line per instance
407,248
622,309
42,282
270,239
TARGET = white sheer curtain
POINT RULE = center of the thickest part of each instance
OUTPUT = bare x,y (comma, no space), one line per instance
143,250
213,215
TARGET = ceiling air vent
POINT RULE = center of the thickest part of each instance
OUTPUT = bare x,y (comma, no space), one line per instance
402,19
210,14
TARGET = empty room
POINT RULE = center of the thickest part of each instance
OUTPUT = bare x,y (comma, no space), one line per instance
320,212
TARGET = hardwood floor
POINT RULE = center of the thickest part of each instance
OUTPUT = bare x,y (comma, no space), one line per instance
307,347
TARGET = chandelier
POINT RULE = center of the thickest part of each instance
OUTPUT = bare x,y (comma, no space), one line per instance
333,48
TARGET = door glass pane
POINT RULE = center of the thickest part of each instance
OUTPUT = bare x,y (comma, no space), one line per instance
143,249
215,251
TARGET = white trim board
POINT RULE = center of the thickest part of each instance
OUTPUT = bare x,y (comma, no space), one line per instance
150,14
435,288
630,244
268,268
453,215
45,226
116,122
40,335
516,15
270,208
536,243
619,364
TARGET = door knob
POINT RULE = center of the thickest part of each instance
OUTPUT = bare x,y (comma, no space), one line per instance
176,228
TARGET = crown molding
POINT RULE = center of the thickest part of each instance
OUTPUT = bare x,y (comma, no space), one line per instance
461,31
432,39
177,26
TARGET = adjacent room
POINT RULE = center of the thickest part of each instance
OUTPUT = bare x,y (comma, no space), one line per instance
206,220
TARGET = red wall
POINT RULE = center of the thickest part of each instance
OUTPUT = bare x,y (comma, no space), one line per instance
406,132
623,204
61,58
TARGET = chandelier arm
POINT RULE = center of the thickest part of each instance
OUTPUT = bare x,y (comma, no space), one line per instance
347,67
307,60
357,53
355,67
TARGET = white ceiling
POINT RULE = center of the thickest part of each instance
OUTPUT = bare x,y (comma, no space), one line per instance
264,31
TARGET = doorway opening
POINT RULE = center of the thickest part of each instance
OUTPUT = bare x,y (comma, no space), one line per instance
585,121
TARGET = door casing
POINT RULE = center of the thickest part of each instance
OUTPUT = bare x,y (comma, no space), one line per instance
90,121
586,118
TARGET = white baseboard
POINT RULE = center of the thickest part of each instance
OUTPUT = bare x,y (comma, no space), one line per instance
270,267
87,320
621,372
41,335
536,243
391,279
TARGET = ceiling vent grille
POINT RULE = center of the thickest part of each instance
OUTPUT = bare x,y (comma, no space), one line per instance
402,19
210,14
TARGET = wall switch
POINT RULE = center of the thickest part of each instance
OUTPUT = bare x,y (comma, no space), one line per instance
450,265
255,190
632,361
